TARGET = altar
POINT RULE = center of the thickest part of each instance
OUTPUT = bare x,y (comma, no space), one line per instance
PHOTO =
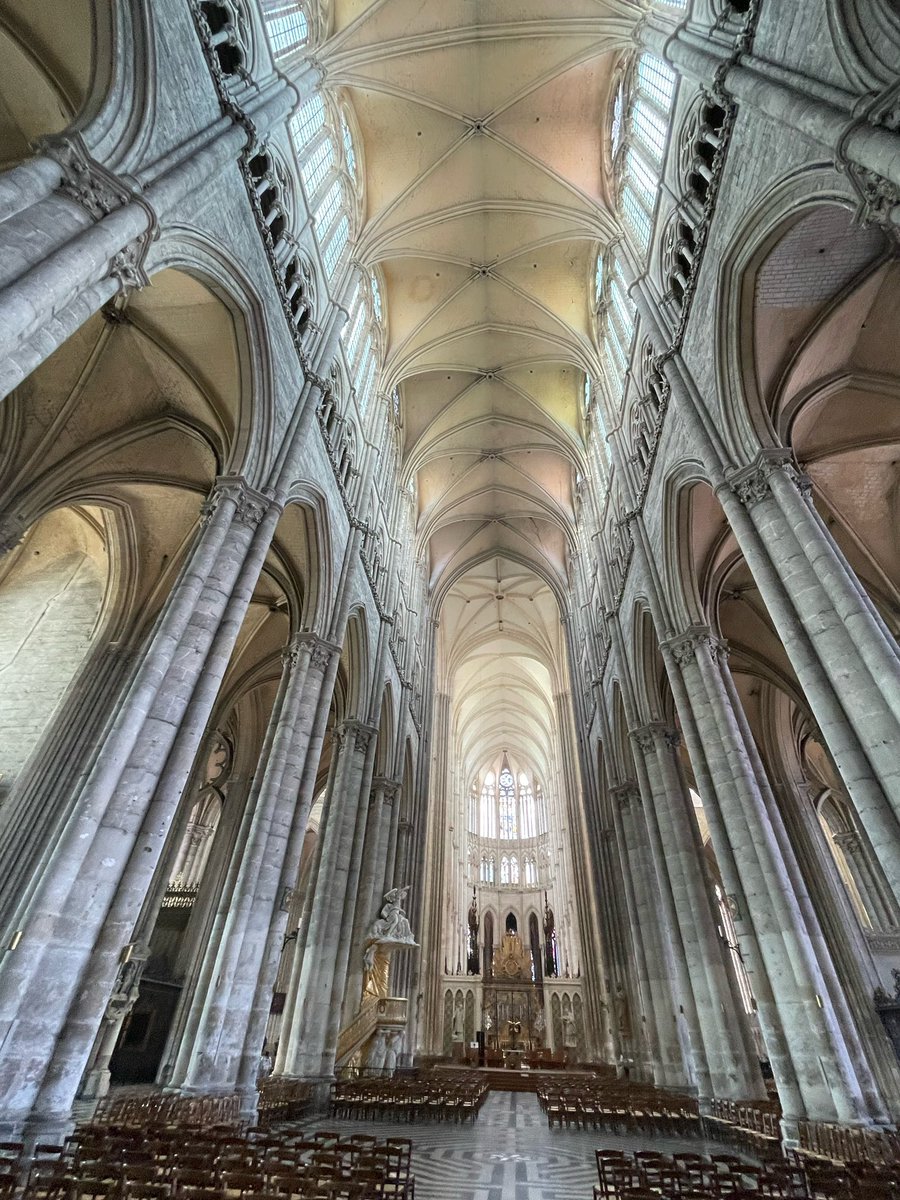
513,1004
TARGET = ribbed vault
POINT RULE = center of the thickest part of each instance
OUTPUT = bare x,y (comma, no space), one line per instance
487,189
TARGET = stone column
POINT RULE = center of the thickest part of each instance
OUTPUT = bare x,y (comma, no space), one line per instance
320,681
842,692
121,1002
648,1035
398,834
216,1048
69,914
733,1071
168,747
693,1054
827,1085
881,917
107,251
343,1006
648,939
305,1054
854,652
372,887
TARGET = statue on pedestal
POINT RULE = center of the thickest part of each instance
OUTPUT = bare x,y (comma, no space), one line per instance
390,931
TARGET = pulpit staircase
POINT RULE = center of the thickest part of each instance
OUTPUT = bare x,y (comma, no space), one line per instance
374,1012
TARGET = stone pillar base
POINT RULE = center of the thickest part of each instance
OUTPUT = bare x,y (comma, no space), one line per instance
320,1085
48,1128
790,1133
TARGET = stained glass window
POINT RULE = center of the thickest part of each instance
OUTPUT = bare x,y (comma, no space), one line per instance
287,26
618,116
316,168
509,825
307,121
488,824
328,209
655,80
335,248
651,127
504,869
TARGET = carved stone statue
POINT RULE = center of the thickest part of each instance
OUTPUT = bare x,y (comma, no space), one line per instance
377,1051
393,925
394,1040
390,931
569,1034
458,1027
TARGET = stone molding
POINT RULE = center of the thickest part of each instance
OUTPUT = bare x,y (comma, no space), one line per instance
884,943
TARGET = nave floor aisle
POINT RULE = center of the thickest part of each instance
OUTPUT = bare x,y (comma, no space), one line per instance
508,1154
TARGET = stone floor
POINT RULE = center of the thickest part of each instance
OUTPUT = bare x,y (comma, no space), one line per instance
508,1154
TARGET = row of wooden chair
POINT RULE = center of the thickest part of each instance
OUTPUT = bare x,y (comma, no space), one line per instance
648,1175
157,1108
842,1143
692,1176
283,1100
165,1162
411,1099
624,1109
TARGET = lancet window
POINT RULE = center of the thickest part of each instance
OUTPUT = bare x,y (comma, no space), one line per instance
615,333
639,131
362,339
287,26
329,169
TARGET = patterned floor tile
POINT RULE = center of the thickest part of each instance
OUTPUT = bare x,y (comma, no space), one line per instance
508,1154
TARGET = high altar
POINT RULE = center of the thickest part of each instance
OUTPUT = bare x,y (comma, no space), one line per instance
512,1003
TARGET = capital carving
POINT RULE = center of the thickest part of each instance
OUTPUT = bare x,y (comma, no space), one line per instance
626,795
848,842
645,736
294,650
12,530
389,789
355,735
685,646
753,484
127,266
683,650
321,654
84,180
250,506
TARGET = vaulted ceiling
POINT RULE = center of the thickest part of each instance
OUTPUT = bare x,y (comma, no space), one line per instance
482,126
487,199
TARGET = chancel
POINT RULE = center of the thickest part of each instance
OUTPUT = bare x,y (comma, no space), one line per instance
449,598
